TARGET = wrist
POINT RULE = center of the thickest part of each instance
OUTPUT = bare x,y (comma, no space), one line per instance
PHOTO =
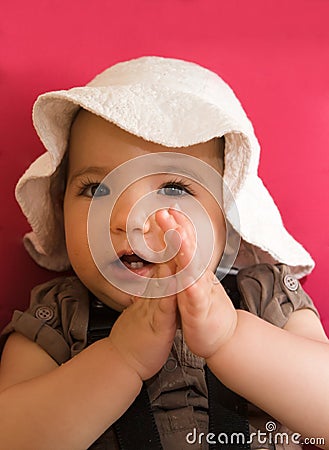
122,364
225,339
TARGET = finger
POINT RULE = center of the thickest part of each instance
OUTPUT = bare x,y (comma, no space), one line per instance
167,222
203,296
161,285
164,317
188,239
197,292
167,280
206,285
196,301
189,267
186,224
164,309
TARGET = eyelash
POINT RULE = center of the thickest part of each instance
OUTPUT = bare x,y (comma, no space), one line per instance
176,183
85,184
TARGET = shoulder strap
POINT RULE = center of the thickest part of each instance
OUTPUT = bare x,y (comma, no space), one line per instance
227,410
227,416
145,436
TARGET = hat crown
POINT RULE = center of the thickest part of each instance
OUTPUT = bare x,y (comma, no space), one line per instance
170,74
155,69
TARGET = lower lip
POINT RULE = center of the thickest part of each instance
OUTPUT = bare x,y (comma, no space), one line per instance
119,271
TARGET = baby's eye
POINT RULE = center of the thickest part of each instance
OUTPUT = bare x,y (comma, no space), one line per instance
174,189
95,190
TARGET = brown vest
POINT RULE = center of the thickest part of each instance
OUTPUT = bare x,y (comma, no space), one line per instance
57,319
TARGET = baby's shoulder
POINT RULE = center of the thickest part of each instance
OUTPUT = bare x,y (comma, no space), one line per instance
58,299
272,292
56,319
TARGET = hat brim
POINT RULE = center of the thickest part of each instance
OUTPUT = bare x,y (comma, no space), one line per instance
172,122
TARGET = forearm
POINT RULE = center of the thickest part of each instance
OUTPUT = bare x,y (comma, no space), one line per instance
72,405
282,373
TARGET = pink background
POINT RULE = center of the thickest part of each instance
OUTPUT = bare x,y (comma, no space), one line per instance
273,53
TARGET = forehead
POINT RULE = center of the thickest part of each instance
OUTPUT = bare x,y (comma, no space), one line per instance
95,141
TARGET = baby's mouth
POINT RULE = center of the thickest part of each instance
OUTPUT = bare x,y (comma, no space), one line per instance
133,261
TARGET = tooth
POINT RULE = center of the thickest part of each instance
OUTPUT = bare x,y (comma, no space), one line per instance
137,265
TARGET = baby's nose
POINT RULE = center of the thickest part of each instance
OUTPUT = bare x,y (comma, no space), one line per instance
124,211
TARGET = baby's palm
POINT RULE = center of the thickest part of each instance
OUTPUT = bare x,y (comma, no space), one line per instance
144,333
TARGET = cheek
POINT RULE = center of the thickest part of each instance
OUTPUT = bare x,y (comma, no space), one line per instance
219,228
75,224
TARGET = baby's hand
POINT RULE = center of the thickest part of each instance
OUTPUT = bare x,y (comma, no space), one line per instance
208,317
144,332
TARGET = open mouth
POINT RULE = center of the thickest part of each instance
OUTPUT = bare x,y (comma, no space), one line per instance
134,262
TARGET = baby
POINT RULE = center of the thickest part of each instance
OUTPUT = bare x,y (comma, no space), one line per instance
149,192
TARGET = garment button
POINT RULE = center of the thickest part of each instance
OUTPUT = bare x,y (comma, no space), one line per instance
44,313
291,282
170,365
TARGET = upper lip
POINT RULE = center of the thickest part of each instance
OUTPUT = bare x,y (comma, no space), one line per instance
125,252
129,251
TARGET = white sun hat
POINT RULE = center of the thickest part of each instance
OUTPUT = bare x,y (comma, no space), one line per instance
173,103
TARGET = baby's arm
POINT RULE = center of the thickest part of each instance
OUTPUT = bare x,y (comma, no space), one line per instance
68,407
283,373
63,407
305,323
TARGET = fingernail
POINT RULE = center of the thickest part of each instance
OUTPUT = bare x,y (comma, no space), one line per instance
215,280
177,207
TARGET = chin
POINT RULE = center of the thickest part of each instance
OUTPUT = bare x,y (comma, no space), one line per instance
113,297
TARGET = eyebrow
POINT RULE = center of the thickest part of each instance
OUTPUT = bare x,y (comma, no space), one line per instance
103,171
90,170
185,172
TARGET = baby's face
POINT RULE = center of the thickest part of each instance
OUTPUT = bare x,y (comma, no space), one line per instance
97,147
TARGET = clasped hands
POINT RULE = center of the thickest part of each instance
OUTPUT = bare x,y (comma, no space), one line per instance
144,332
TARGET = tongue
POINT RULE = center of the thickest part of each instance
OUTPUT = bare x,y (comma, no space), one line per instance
132,258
